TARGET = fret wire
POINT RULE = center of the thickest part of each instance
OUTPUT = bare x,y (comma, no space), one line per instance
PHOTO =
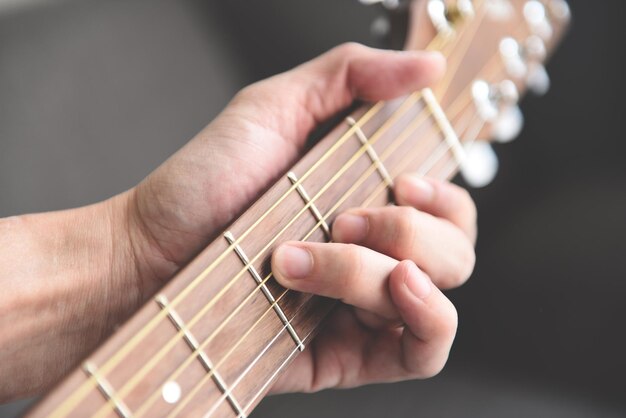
371,152
405,134
264,289
398,113
78,394
181,368
207,364
206,377
446,145
295,351
296,215
256,359
371,167
107,390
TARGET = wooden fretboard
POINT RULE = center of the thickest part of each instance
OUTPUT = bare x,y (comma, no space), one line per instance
214,340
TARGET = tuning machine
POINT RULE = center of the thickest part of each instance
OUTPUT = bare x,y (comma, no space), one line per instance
537,19
445,17
559,10
497,105
489,98
480,164
525,62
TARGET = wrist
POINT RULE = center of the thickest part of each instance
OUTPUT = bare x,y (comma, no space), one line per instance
65,287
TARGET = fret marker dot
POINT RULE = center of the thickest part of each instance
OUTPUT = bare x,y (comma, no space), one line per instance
171,392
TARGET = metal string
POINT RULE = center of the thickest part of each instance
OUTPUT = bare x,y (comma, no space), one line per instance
445,147
377,191
372,111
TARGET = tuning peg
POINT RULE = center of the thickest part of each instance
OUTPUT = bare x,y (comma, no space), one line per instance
483,101
535,48
480,165
438,16
511,54
507,93
508,124
499,10
538,80
560,10
465,8
537,19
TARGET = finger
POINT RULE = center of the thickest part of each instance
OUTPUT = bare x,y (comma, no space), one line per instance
439,198
430,320
437,246
374,321
355,275
328,84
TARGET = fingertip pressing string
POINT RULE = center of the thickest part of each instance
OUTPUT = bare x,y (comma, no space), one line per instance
370,113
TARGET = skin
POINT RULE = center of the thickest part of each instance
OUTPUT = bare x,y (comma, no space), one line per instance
70,277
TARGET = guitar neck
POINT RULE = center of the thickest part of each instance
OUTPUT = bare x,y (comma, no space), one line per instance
214,340
223,329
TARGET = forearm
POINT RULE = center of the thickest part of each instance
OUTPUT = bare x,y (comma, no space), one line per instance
64,284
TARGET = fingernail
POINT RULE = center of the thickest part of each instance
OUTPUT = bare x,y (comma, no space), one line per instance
418,283
349,227
418,192
292,262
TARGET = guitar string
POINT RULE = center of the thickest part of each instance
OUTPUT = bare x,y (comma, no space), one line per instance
76,396
364,177
287,360
206,378
381,187
138,377
192,357
163,351
406,161
64,408
372,168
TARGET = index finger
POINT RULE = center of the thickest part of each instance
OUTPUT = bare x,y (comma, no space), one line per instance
439,198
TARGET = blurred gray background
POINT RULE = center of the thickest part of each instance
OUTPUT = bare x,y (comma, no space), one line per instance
95,94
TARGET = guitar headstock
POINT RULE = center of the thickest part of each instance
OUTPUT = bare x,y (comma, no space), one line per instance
496,51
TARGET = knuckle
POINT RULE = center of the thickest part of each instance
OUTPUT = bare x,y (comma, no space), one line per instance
406,226
249,94
349,49
405,216
352,266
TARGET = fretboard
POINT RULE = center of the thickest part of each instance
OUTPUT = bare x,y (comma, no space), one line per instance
212,342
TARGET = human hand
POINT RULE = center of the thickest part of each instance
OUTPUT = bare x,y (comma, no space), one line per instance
188,201
394,323
70,277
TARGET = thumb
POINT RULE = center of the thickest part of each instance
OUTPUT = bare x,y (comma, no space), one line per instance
329,83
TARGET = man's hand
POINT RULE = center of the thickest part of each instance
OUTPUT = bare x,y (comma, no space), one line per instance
70,277
395,323
188,201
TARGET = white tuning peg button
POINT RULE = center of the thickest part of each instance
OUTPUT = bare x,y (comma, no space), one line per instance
508,124
538,80
480,165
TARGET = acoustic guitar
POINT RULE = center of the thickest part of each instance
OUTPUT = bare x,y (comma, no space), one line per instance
212,341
